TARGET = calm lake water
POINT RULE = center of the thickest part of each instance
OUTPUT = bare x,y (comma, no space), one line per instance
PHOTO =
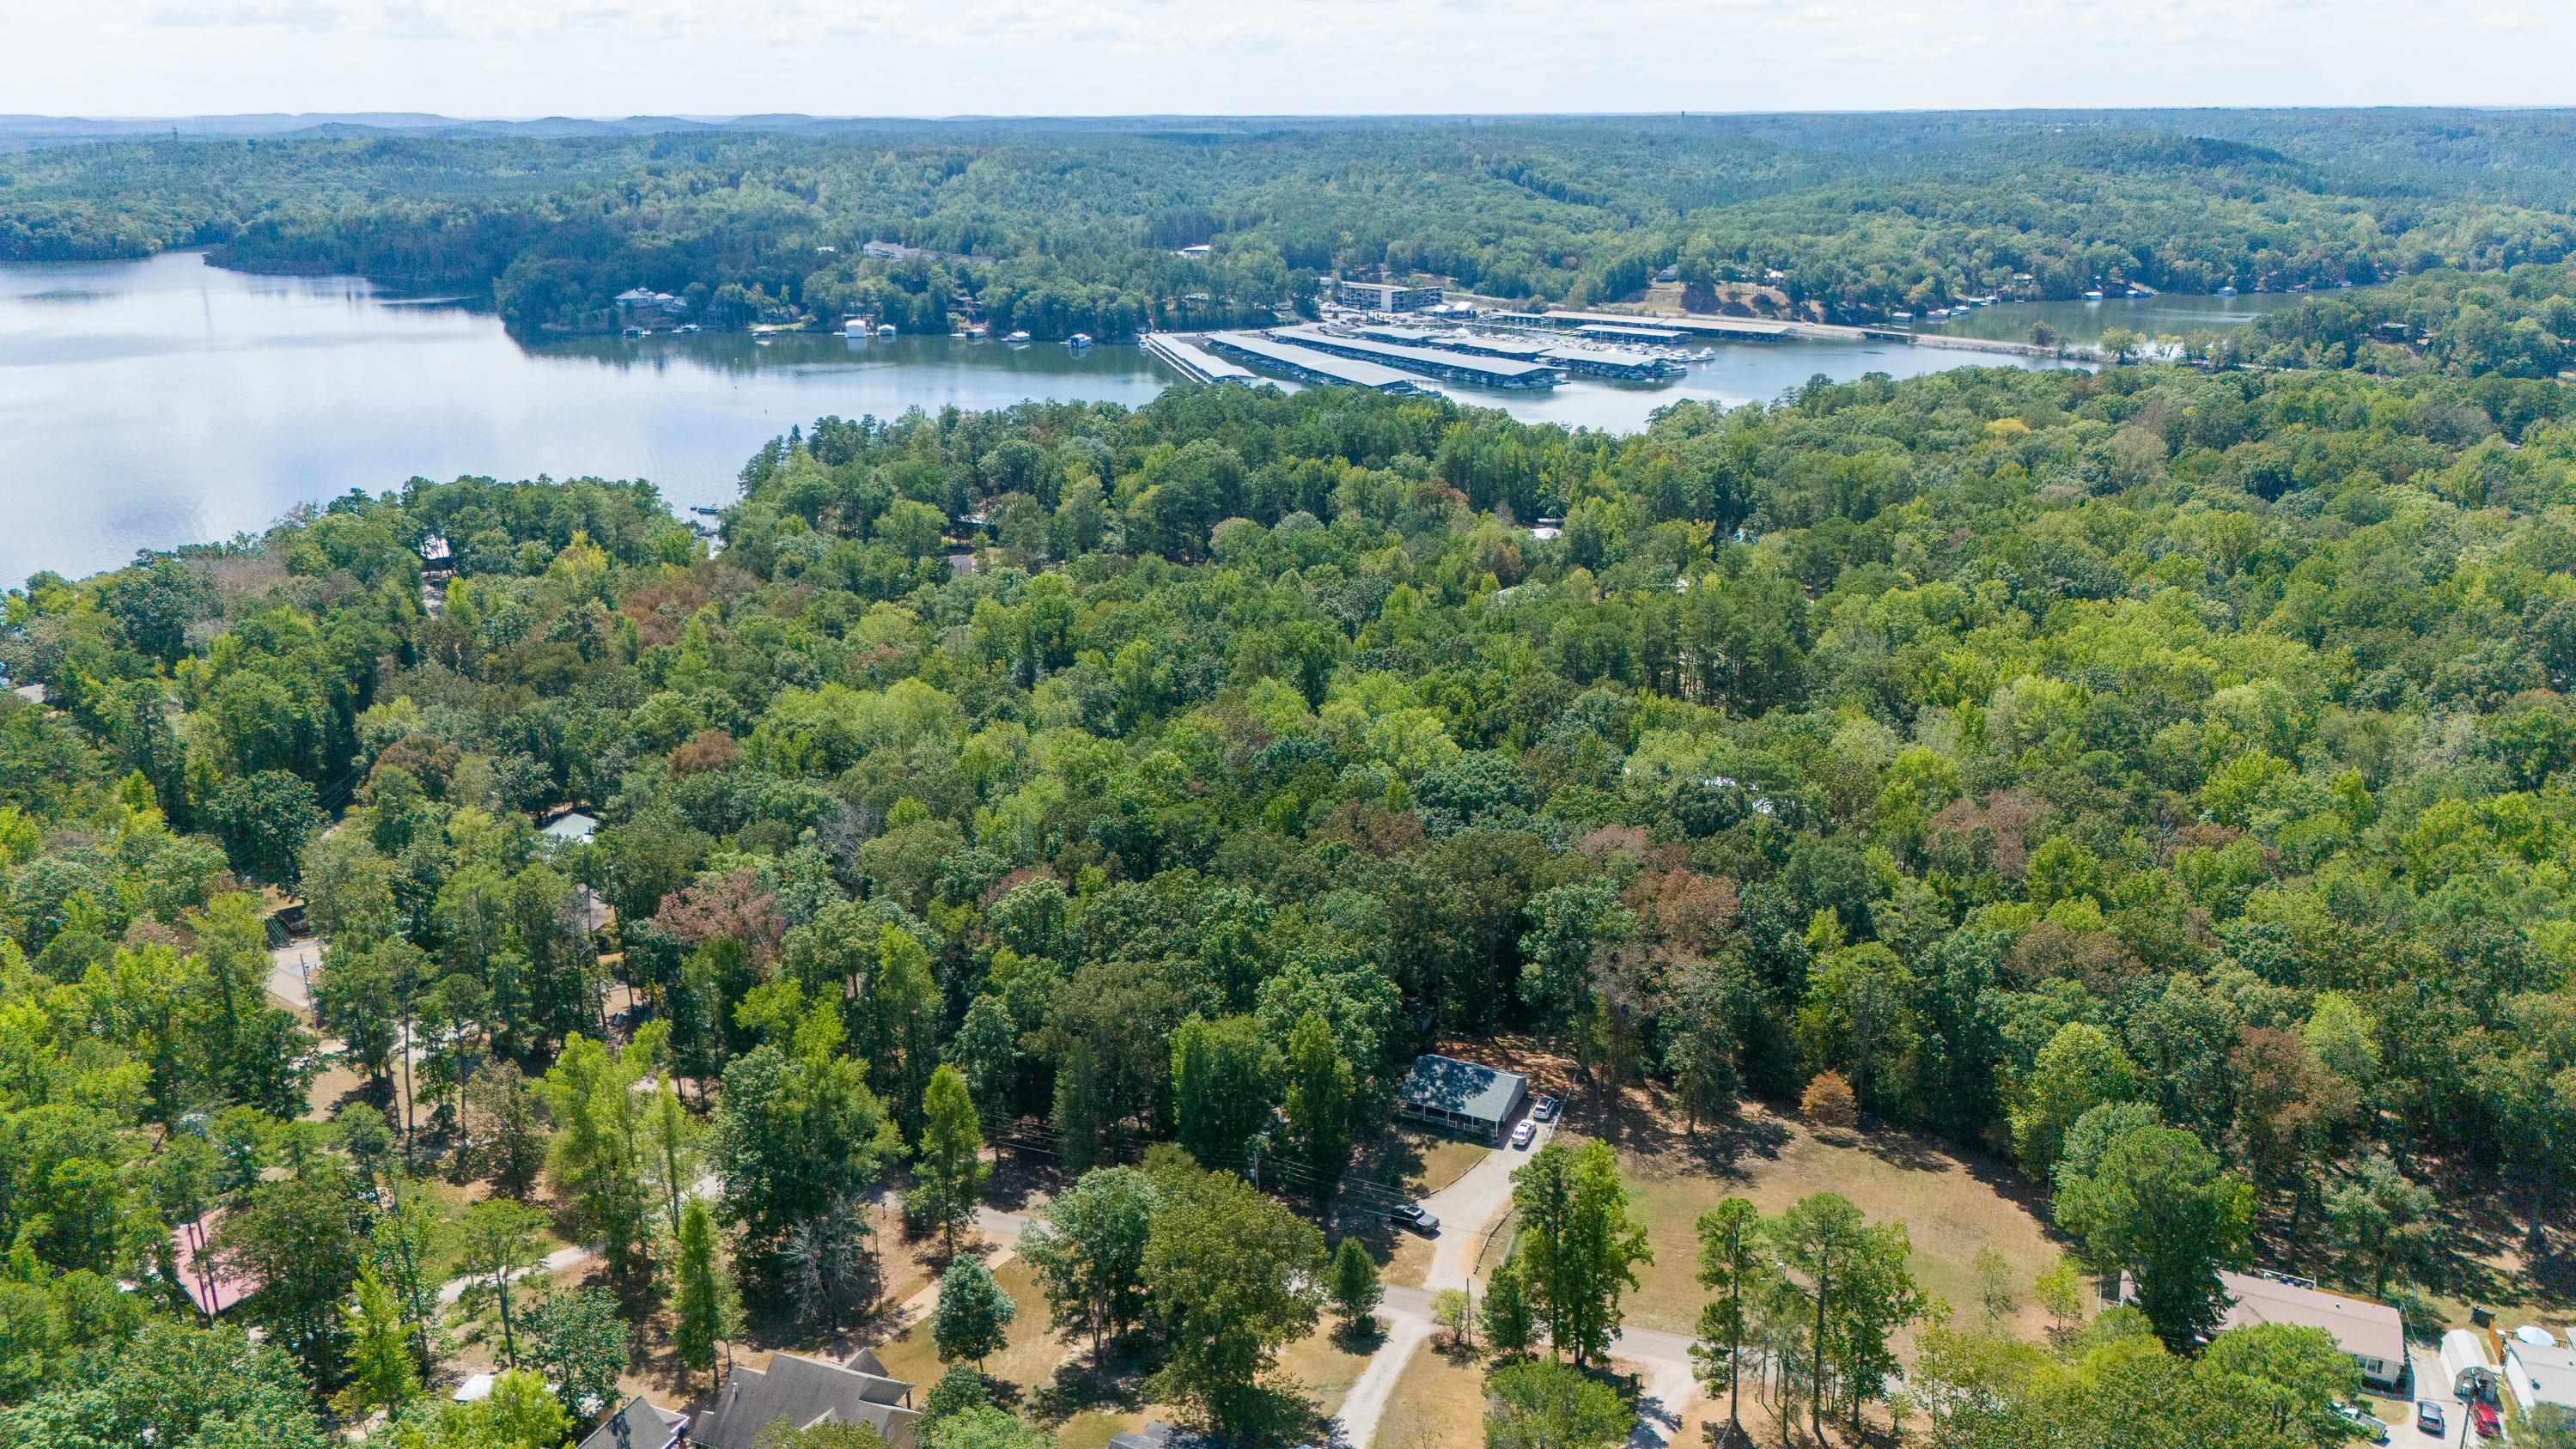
154,403
2081,323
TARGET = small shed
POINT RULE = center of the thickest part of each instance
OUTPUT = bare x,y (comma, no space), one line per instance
1462,1097
2466,1364
572,827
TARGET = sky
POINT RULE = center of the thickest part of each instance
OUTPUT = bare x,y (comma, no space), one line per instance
517,58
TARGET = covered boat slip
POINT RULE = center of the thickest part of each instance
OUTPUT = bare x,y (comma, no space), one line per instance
1437,361
1306,365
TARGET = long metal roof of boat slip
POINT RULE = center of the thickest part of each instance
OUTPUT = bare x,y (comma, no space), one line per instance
1350,370
1491,346
1495,367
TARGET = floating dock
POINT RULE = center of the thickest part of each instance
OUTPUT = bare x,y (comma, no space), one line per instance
1597,361
1663,336
1440,362
1515,348
1308,365
1751,328
1195,362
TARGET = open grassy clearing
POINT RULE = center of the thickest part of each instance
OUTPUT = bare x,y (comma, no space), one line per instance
1952,1207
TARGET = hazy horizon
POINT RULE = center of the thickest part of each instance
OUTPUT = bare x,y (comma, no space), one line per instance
1080,59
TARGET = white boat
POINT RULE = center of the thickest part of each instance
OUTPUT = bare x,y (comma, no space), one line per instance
2227,291
2093,296
689,327
1078,341
1020,335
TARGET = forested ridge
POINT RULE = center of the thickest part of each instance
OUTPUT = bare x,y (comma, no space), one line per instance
1063,226
2156,779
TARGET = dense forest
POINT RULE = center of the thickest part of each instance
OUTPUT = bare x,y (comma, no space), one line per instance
2155,778
1063,226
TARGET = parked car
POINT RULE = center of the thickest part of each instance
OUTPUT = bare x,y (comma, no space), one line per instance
2428,1417
1545,1111
2364,1423
2484,1415
1413,1215
1523,1134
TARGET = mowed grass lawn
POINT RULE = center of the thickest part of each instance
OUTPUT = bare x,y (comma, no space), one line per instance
1029,1359
1950,1211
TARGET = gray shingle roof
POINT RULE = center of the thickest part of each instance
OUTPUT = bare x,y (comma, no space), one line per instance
804,1391
1464,1087
641,1424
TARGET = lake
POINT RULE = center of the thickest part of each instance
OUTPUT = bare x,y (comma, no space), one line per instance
154,403
2080,323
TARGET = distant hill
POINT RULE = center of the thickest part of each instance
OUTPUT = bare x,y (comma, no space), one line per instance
30,130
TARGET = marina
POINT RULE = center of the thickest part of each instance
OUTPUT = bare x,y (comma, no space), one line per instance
1186,357
1309,365
1440,362
281,390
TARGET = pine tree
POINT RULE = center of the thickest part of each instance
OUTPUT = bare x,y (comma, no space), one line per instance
702,1302
1735,1264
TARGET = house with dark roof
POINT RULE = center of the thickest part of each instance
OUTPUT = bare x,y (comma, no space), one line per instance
804,1392
1463,1097
640,1424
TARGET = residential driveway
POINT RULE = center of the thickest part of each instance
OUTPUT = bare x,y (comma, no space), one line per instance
1473,1207
290,972
1469,1209
1663,1360
2430,1382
